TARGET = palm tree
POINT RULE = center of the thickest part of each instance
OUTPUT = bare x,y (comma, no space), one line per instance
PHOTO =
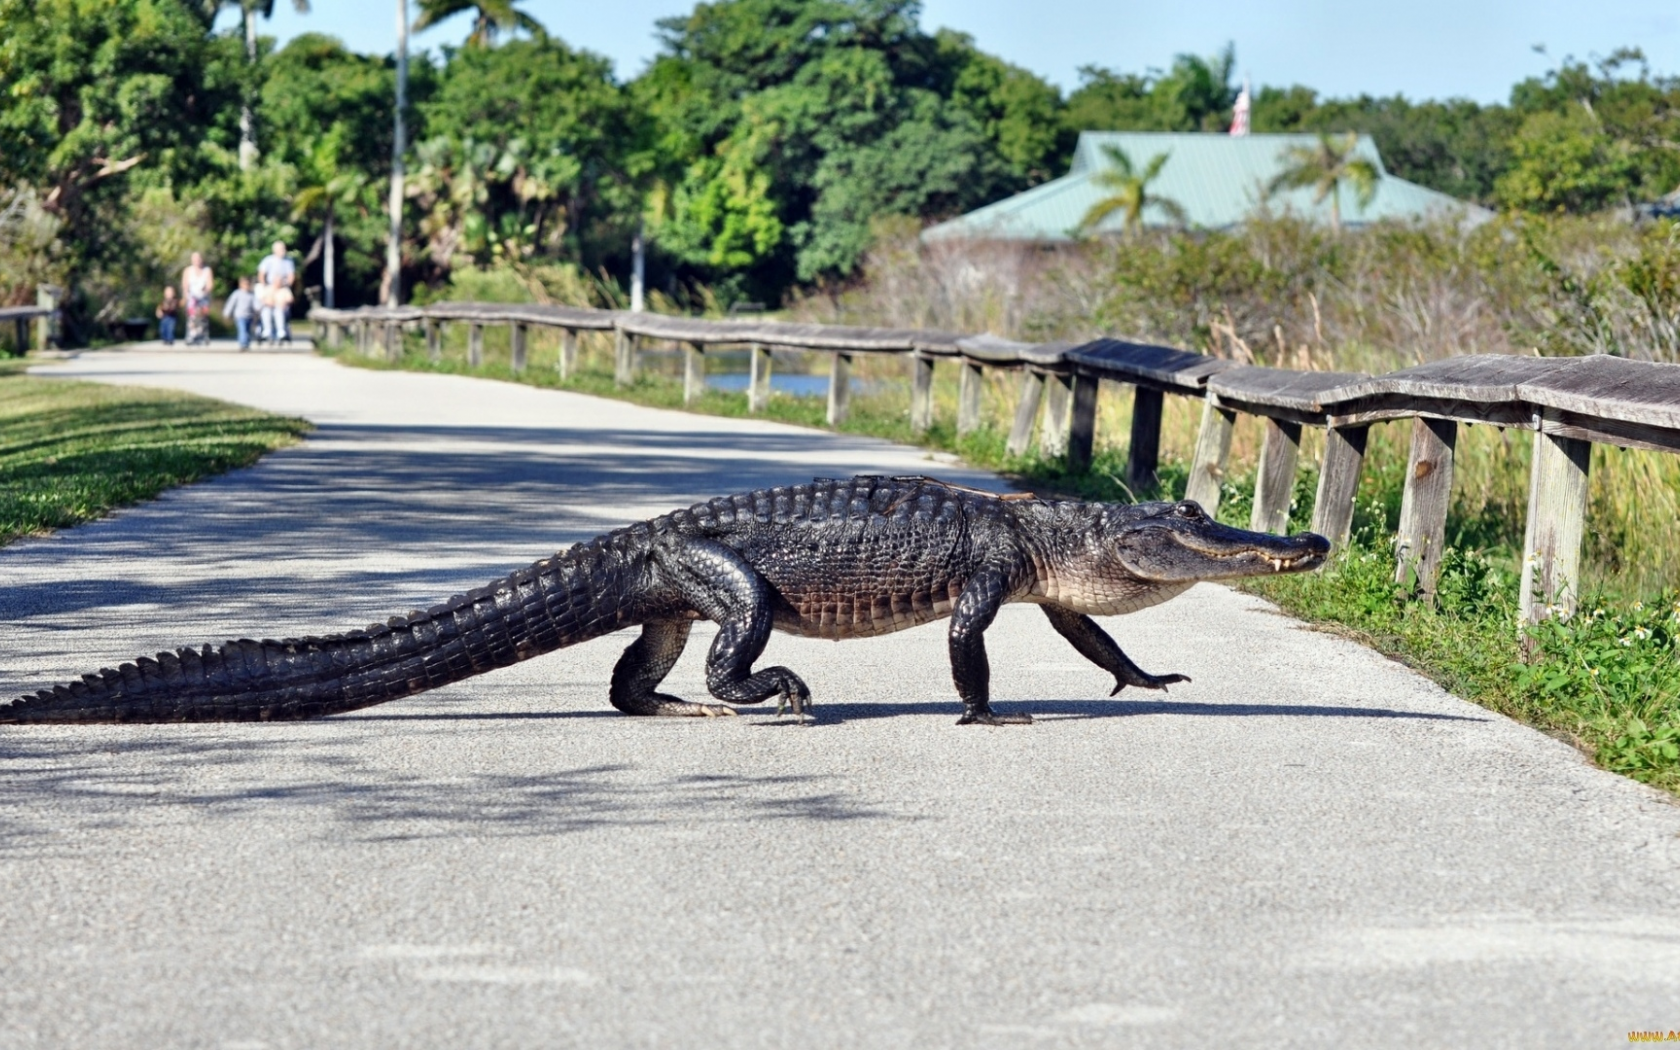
330,189
491,17
248,12
1325,168
1130,194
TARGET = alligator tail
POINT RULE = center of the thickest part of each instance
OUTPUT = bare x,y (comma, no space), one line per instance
553,603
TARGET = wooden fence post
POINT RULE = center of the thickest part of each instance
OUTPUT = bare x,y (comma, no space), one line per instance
1338,483
1274,483
1026,413
20,327
1424,503
1557,516
567,362
624,357
1143,455
1058,407
921,393
516,340
362,337
971,385
434,349
758,381
475,344
393,340
335,334
839,389
1082,430
1213,450
694,371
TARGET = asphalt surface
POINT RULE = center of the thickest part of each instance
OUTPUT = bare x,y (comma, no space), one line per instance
1309,845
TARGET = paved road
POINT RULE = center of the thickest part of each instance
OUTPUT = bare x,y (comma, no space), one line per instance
1309,846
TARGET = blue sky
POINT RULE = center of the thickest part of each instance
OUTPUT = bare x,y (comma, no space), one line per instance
1424,49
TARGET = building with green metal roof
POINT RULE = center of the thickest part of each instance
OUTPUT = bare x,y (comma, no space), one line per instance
1219,180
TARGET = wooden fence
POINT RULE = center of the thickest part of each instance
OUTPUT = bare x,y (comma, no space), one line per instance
20,316
1568,403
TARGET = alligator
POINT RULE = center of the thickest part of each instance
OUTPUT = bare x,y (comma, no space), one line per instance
834,559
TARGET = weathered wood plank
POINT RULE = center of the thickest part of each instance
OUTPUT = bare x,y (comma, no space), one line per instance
694,372
1178,371
393,340
1026,413
847,338
1008,353
1058,414
1611,388
1485,378
1564,423
1082,428
1279,387
1274,483
434,346
971,385
1338,483
839,389
1422,535
1143,455
547,315
1557,516
921,393
1213,450
475,344
517,341
758,385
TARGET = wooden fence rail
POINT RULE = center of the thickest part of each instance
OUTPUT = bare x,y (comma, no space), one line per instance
1568,403
20,316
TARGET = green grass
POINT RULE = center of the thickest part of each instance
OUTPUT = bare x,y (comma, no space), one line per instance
71,451
1607,680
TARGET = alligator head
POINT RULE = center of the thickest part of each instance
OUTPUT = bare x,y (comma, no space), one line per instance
1174,542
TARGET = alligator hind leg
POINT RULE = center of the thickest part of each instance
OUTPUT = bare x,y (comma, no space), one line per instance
636,678
723,587
1095,645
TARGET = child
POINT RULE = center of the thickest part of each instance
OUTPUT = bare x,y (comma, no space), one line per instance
166,316
281,296
240,306
265,306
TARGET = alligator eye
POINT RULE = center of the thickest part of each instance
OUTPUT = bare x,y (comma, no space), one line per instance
1190,511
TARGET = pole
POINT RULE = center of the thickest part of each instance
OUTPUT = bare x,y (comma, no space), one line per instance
393,250
327,271
638,269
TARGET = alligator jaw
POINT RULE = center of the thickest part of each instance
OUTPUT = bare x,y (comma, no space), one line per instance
1179,542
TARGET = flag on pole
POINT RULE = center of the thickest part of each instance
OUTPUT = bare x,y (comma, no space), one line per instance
1239,113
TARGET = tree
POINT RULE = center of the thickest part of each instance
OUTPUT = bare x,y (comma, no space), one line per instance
248,12
1196,94
98,102
1566,162
1325,167
490,19
1131,196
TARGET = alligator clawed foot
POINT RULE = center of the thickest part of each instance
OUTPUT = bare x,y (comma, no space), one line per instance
797,697
992,718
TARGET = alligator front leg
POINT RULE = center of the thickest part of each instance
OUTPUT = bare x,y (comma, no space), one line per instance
1095,645
719,584
975,610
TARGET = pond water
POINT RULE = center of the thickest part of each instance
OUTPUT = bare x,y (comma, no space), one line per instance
796,385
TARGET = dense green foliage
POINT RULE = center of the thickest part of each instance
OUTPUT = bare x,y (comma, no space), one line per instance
72,452
762,151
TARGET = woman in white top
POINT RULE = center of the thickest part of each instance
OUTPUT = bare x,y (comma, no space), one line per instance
197,281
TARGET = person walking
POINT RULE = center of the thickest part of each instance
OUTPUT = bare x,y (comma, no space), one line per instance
278,264
242,306
265,310
166,311
197,282
280,299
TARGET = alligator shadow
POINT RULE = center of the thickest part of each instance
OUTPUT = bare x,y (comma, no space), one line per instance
1051,710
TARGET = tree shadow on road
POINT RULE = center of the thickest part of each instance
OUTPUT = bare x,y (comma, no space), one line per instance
1076,709
58,791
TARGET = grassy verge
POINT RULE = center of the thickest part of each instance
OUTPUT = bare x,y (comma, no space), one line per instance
1607,680
71,452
